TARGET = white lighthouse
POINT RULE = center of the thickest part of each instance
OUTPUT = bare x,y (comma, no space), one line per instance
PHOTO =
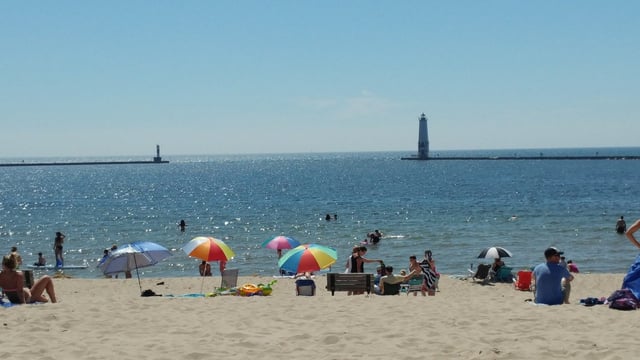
423,138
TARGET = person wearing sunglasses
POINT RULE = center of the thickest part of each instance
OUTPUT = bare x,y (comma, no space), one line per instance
548,276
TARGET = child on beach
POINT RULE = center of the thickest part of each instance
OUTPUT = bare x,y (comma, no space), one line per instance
572,267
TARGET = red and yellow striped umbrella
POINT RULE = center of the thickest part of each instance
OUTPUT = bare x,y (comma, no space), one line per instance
208,249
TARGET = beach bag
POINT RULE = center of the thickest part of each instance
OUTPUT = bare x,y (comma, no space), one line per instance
623,300
149,292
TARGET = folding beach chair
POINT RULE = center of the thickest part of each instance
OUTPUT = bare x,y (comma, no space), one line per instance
391,289
482,273
414,285
229,278
305,287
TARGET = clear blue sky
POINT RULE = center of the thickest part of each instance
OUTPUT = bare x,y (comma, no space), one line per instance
226,77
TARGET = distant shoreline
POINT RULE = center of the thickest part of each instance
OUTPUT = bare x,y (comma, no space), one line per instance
84,163
613,157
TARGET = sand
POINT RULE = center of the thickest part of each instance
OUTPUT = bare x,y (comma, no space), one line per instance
107,319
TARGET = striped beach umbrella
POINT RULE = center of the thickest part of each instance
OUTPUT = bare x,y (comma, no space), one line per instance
494,252
308,258
208,249
280,242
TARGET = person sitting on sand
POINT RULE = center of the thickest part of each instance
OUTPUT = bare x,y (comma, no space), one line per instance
573,268
497,264
304,275
204,268
389,279
12,284
14,252
548,278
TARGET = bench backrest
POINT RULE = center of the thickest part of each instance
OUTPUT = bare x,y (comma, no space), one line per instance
349,282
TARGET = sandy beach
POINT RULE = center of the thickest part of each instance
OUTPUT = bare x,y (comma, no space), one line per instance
107,319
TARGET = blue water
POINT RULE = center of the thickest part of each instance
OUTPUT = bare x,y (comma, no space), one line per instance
454,208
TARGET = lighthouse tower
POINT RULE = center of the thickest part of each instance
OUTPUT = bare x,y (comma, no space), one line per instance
157,158
423,139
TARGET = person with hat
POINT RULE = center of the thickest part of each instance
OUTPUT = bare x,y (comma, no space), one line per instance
548,278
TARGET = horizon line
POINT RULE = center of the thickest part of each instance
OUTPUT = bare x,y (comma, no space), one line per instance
323,152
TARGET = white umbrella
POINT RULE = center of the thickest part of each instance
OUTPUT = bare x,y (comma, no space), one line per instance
134,256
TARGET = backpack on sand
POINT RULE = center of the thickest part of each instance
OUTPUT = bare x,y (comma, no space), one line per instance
623,300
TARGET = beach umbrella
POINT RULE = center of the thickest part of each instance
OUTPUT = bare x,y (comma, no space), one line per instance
133,256
208,249
280,242
494,252
308,257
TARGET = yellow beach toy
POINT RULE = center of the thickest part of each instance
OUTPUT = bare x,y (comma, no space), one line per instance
252,289
266,289
249,289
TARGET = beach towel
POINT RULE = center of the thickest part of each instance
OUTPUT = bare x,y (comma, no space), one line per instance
429,274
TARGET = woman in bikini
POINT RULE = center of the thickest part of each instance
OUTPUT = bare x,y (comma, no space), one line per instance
57,248
12,284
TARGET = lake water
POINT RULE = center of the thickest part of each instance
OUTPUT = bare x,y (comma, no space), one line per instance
454,208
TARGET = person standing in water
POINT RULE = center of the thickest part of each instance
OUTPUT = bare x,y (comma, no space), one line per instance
621,225
57,248
182,225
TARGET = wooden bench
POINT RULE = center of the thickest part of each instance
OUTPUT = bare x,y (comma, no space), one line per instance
349,282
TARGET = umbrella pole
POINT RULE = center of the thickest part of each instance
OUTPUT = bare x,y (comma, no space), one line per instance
202,285
137,273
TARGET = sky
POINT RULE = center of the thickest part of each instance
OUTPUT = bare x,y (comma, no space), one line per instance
111,78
